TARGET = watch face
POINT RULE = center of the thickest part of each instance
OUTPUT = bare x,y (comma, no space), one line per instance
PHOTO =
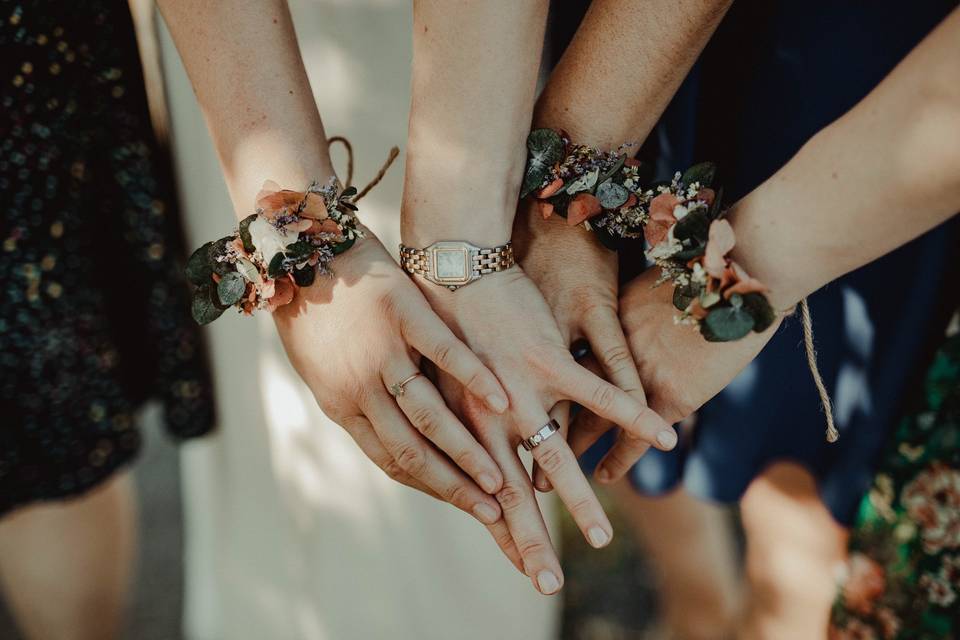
451,264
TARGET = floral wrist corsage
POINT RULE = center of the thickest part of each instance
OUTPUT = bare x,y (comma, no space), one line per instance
291,238
680,220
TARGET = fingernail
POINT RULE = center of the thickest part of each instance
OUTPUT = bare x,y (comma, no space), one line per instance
547,582
603,475
487,483
497,402
667,438
598,537
485,513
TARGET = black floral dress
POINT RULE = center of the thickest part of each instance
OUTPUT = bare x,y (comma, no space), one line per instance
94,316
903,579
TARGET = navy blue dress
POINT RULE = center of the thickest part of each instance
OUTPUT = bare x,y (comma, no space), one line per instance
774,74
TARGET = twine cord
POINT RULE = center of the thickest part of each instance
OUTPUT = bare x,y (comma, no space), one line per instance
806,322
394,152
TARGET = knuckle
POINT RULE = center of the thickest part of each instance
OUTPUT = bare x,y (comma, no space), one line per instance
393,470
616,357
552,460
441,354
457,494
412,459
604,396
531,547
425,420
581,506
510,496
640,424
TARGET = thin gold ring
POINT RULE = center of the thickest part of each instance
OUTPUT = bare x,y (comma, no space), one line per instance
397,390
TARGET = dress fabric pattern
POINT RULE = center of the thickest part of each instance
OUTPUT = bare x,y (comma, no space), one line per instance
904,574
94,312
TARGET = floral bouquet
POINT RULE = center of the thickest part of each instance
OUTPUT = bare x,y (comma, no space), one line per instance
291,238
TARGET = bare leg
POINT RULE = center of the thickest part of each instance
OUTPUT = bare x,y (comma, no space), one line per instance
65,567
793,550
691,546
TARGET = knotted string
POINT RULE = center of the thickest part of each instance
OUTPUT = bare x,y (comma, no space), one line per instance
806,322
394,152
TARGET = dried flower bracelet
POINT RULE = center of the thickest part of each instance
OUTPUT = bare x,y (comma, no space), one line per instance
291,238
682,223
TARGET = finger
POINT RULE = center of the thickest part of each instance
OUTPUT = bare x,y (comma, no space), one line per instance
557,461
422,404
603,331
560,413
587,427
501,535
420,459
360,429
607,401
429,336
522,515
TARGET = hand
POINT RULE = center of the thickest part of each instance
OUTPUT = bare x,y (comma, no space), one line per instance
578,278
680,370
351,336
506,321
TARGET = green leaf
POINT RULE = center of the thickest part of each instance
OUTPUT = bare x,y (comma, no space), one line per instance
350,206
716,211
305,277
702,173
202,307
219,248
248,270
349,192
275,268
337,249
725,324
583,183
612,195
683,296
544,149
692,232
299,250
231,288
757,305
245,233
198,269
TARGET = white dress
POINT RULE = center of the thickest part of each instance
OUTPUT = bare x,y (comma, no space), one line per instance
291,533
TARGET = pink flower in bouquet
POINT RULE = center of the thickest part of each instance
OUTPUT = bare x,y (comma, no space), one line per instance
742,283
550,189
583,207
661,208
889,622
274,201
854,630
865,583
932,500
720,241
284,289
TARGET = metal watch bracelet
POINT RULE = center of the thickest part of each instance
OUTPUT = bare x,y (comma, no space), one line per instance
454,264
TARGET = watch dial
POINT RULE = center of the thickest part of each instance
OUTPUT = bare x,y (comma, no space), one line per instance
451,264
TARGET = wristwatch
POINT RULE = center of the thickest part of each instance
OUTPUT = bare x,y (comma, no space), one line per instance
455,264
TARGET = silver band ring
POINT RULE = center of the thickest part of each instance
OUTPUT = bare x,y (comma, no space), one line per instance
397,390
542,434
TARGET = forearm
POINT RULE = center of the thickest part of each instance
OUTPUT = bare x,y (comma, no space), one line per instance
881,175
244,63
475,68
632,54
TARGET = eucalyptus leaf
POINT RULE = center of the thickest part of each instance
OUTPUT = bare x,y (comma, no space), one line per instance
219,248
245,237
544,149
612,195
198,269
305,276
349,192
299,249
702,173
684,295
248,270
694,226
585,182
757,305
725,324
337,249
202,307
275,268
231,288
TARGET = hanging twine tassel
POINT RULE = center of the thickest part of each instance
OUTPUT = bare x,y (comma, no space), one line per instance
394,152
807,323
